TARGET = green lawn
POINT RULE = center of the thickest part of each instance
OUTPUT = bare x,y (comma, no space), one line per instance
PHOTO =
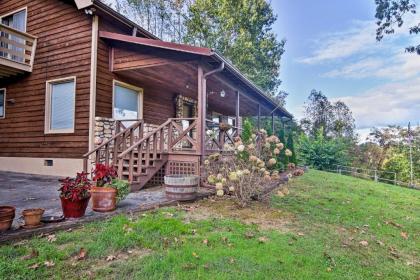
328,227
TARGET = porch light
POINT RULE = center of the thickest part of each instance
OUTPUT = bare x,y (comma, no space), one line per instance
223,93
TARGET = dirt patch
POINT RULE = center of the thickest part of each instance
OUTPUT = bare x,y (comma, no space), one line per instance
94,265
265,217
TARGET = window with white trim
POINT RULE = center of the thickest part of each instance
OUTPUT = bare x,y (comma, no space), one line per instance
2,103
128,102
60,105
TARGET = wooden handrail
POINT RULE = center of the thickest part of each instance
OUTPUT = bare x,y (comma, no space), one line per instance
23,48
16,32
156,130
133,126
132,147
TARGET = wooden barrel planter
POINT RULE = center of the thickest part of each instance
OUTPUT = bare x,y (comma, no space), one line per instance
181,187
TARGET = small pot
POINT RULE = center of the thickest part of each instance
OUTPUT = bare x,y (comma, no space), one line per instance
104,199
32,216
224,126
7,211
74,209
7,214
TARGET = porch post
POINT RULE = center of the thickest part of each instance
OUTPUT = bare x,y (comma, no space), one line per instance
259,117
272,123
237,114
201,112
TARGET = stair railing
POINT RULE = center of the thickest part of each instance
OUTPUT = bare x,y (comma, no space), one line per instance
170,137
108,151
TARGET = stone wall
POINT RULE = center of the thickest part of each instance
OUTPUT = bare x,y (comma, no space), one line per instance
104,129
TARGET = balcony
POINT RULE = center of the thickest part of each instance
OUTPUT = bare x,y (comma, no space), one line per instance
17,52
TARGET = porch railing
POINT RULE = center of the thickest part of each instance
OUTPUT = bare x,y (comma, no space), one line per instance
218,137
17,47
171,137
124,137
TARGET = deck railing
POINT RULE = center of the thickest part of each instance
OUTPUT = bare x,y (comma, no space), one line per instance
218,136
17,48
124,137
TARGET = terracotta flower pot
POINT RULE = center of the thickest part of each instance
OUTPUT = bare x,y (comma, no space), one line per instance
224,126
74,209
32,216
104,199
7,214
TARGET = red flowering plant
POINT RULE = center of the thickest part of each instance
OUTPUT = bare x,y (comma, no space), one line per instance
103,174
75,189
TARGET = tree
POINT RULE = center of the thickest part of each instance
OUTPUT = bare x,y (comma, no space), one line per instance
163,18
247,131
399,164
390,13
242,32
321,152
291,146
342,120
318,113
335,119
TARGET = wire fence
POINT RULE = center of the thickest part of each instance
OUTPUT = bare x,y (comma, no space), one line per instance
372,174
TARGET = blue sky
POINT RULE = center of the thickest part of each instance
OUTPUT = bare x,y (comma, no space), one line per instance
331,47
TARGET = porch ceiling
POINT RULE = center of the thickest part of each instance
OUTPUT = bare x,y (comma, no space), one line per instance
174,66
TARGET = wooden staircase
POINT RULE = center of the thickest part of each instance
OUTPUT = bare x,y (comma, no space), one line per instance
139,157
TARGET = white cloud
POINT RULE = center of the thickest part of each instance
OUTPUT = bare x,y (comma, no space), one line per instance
391,103
359,39
396,66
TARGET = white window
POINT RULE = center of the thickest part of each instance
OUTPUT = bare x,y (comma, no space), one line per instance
2,103
60,105
127,102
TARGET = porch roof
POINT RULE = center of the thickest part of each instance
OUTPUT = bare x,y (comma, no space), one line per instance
200,52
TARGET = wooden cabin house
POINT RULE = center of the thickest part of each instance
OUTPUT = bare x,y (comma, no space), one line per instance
80,83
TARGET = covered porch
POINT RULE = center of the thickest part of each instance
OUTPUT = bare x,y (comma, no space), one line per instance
208,87
203,96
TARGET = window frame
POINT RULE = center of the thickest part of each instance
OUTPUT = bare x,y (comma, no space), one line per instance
4,103
17,11
140,99
48,104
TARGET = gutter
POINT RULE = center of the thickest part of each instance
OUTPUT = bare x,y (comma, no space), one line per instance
217,70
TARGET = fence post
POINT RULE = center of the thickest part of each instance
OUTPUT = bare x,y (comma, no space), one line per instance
376,176
395,178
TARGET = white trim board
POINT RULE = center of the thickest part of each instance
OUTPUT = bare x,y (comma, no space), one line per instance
48,92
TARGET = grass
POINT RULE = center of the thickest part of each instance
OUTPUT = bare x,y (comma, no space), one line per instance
328,227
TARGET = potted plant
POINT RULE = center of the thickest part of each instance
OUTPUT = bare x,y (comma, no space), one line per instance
7,214
32,217
104,195
75,195
122,187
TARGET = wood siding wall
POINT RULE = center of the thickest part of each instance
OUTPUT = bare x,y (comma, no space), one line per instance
158,102
64,45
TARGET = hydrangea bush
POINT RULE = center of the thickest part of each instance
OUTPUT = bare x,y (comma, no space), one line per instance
246,170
